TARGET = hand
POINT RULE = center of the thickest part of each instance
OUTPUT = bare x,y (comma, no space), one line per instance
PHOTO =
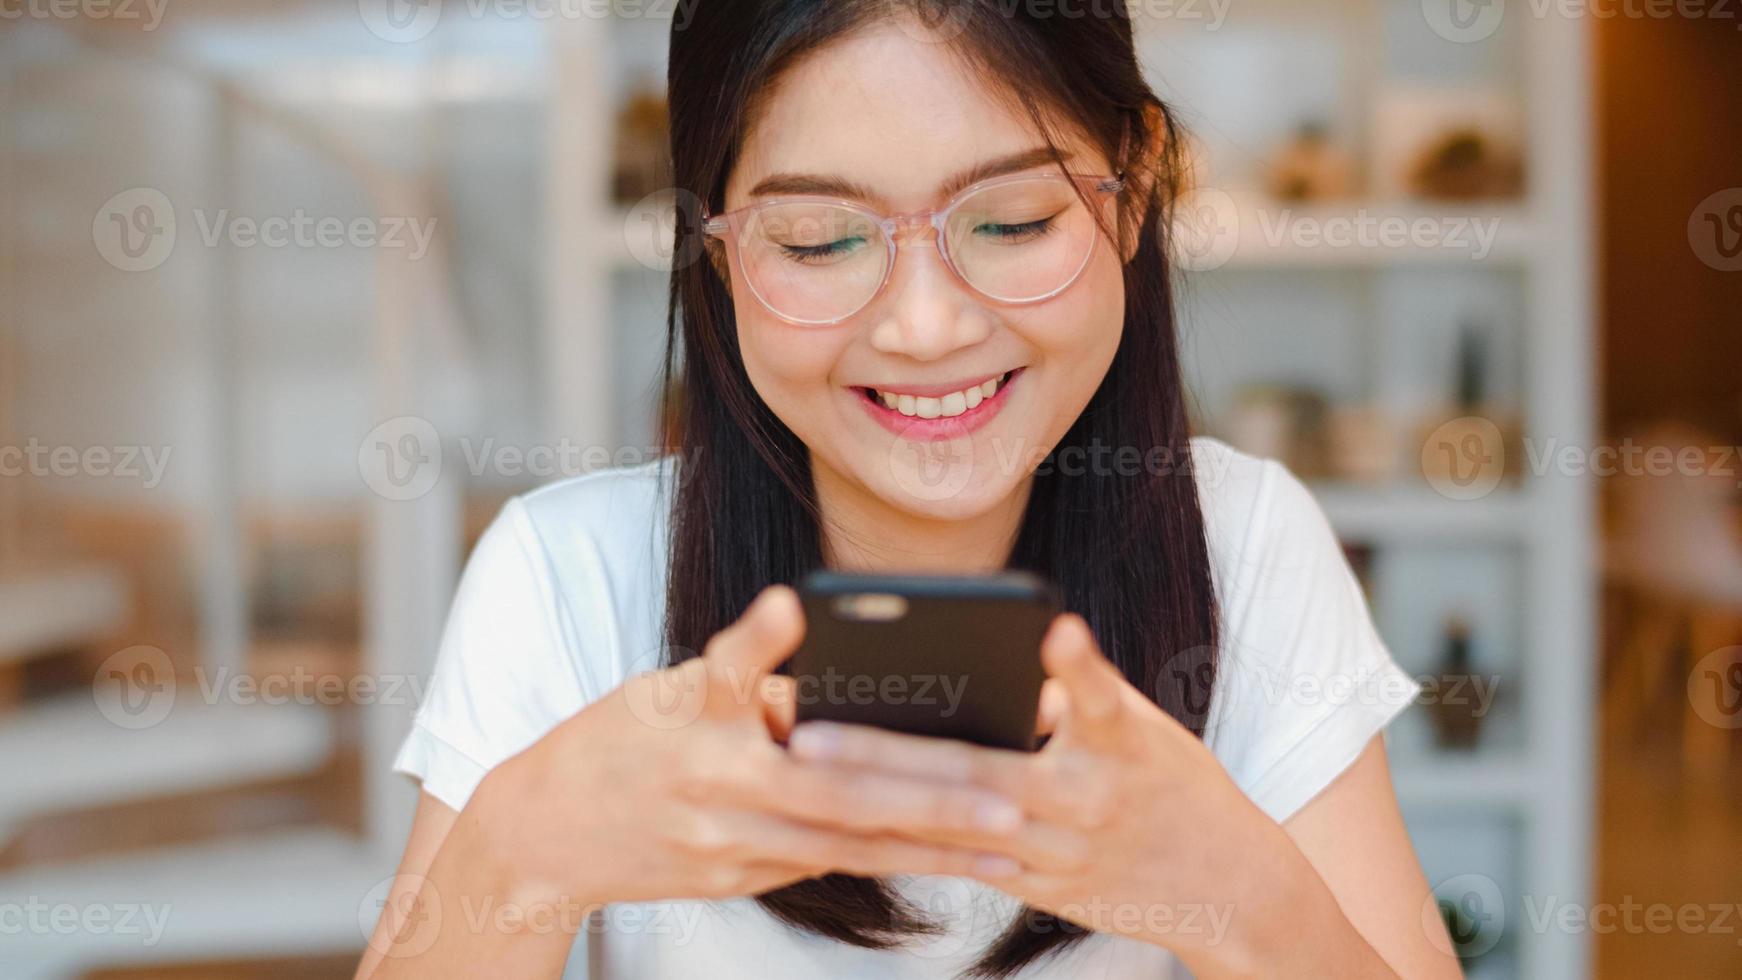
1130,825
675,786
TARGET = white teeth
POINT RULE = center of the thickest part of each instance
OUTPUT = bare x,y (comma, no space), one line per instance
948,406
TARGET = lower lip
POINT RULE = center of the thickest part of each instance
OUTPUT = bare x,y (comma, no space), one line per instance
929,430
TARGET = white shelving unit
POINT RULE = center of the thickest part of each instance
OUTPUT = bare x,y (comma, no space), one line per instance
1530,784
1533,771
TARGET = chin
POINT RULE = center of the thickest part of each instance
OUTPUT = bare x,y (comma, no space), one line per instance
931,482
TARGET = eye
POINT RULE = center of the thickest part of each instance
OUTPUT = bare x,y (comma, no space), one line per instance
1013,233
823,252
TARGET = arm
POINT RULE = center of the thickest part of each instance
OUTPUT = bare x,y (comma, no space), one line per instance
1353,839
639,798
439,878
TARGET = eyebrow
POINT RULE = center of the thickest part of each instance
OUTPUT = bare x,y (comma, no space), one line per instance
834,186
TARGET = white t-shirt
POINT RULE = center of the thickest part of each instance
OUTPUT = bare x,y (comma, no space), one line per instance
562,600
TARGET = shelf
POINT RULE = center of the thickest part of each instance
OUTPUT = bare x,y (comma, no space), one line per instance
310,894
1413,513
78,758
44,610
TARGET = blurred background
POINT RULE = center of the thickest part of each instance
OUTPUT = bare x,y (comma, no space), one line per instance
294,294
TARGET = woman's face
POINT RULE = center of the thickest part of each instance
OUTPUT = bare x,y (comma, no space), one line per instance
895,114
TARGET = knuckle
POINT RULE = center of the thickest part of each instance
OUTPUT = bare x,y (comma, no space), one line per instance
724,879
1071,853
947,861
707,835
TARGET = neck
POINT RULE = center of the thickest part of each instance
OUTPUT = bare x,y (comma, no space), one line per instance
862,532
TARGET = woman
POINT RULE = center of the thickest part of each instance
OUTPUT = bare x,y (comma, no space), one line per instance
932,331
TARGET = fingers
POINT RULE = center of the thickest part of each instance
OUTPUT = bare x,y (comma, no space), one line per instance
937,759
1094,688
775,842
861,800
759,642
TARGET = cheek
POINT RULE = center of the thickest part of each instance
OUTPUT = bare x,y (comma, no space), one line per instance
790,367
1077,334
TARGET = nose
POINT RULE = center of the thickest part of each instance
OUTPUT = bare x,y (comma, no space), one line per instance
930,313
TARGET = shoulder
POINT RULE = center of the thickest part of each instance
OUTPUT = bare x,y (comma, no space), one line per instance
605,505
1303,679
1247,501
585,558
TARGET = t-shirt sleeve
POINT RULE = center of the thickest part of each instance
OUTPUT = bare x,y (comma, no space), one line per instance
504,675
1305,682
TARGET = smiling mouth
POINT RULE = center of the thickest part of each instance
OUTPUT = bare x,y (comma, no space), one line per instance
952,405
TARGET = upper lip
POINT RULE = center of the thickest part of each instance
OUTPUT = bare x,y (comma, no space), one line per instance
937,390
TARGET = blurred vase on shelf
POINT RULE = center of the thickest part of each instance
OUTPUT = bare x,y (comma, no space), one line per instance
1466,446
641,162
1447,143
1361,441
1282,422
1456,710
1311,167
1467,164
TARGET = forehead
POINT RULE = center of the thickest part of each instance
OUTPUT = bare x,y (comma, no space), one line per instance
887,109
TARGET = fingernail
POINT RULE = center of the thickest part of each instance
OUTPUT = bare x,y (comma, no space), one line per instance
995,866
815,741
997,816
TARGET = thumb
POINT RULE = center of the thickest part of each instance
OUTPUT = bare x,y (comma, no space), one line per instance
761,640
1094,688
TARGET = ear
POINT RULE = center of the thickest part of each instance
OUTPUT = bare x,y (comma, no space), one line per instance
1142,169
716,253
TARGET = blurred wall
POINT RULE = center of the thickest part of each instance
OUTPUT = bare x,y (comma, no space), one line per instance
1669,115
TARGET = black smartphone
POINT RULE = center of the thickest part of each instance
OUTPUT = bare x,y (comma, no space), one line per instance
954,656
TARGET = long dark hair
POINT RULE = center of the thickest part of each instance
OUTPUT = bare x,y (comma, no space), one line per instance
1127,549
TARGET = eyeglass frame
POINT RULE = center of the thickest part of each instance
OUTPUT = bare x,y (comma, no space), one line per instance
717,226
